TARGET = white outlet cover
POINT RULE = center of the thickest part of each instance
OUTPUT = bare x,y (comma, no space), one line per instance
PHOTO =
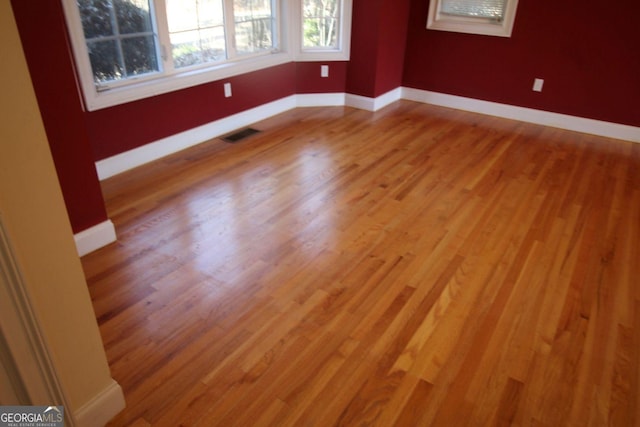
227,90
537,85
324,71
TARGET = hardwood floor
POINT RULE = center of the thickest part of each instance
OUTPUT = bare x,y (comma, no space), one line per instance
411,267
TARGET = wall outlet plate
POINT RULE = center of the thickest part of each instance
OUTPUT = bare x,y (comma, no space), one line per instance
537,85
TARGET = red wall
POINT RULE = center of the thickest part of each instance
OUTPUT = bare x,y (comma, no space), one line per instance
41,25
587,53
378,39
308,79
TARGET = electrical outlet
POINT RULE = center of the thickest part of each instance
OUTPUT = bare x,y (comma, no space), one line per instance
227,90
537,85
324,71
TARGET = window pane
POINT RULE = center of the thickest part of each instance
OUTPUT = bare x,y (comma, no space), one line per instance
97,17
210,13
139,55
213,45
321,19
253,25
105,61
109,26
198,47
492,9
196,31
182,15
133,16
253,36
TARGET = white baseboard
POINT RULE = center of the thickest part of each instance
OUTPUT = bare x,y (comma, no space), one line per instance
95,237
373,104
138,156
147,153
102,408
360,102
320,99
546,118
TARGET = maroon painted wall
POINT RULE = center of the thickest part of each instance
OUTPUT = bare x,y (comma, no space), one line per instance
392,38
41,26
587,53
378,39
308,79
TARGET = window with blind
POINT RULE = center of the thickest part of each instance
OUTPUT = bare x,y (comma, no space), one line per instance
488,17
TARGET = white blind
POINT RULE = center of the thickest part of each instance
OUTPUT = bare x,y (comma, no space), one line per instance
492,9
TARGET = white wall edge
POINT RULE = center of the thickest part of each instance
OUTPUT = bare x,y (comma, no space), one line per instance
387,98
360,102
163,147
373,104
101,408
320,99
95,237
546,118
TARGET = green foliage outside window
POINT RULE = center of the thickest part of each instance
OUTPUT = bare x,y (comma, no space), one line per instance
120,38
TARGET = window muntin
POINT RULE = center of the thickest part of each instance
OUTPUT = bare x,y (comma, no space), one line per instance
488,17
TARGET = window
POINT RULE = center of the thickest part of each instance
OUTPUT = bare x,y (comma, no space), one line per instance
120,39
489,17
131,49
325,31
127,50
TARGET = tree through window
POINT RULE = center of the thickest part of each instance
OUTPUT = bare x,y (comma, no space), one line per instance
120,38
321,23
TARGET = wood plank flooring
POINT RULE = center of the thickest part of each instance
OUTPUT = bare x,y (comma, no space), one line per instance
417,266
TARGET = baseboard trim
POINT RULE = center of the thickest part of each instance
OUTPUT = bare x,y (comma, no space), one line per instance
102,408
95,237
147,153
373,104
155,150
546,118
320,99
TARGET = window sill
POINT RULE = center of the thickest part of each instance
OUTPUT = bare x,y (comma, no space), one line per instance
322,55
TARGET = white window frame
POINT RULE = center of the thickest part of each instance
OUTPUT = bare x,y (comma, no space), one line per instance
341,53
472,25
152,84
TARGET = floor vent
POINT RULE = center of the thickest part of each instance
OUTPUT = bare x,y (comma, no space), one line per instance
240,135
